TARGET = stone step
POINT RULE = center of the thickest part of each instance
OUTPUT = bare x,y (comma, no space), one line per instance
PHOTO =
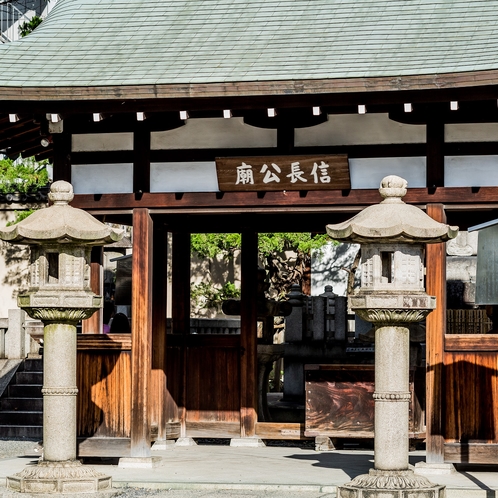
21,404
29,377
21,431
24,391
31,418
31,365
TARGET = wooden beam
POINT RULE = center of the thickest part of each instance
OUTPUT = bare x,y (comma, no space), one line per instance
180,313
471,343
158,388
435,329
473,453
62,157
141,327
93,325
327,198
248,335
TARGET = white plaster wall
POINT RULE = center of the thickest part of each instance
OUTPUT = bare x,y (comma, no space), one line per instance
473,171
211,133
329,267
196,176
102,178
368,172
359,129
96,142
14,261
471,132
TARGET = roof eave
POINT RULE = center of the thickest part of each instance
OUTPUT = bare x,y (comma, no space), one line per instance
252,88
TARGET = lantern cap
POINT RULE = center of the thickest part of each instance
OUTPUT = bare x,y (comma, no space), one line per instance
60,223
392,221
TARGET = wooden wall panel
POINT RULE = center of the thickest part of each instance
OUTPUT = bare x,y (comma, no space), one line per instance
213,384
174,382
104,398
158,392
470,409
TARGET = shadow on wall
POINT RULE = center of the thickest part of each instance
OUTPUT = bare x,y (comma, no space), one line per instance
14,266
331,267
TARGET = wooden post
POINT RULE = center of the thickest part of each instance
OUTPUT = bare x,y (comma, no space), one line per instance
62,157
435,329
157,398
180,314
93,325
435,154
141,160
141,328
248,335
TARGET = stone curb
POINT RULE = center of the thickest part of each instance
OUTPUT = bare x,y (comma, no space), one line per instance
197,486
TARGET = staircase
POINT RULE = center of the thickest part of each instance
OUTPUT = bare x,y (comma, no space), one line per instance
21,405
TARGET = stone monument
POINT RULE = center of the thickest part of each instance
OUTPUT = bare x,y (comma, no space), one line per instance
61,239
392,296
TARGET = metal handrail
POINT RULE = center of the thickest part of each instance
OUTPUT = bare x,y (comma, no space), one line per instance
10,19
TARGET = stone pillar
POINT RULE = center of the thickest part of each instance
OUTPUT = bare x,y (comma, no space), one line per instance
392,397
60,296
59,392
15,338
391,296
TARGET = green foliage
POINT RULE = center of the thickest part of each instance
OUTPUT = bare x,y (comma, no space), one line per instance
209,245
20,215
23,176
271,243
29,26
281,270
207,295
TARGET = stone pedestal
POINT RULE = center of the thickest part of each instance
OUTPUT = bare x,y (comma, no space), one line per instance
392,476
61,239
59,477
58,471
390,484
392,235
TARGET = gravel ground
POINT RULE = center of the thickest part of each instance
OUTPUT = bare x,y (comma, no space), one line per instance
175,493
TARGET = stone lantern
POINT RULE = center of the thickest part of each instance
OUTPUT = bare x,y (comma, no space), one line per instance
391,295
61,239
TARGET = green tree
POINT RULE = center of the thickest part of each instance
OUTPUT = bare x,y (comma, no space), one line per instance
29,26
23,176
282,271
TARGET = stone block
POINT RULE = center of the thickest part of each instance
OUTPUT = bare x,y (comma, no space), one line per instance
247,442
185,441
139,462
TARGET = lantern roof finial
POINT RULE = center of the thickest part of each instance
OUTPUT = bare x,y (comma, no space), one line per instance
392,220
61,193
60,223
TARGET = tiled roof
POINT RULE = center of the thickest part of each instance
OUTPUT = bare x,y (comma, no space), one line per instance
156,42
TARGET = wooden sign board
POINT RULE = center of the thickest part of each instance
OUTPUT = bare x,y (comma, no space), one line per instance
269,173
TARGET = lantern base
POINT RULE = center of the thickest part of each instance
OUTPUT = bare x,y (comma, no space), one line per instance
59,477
390,484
